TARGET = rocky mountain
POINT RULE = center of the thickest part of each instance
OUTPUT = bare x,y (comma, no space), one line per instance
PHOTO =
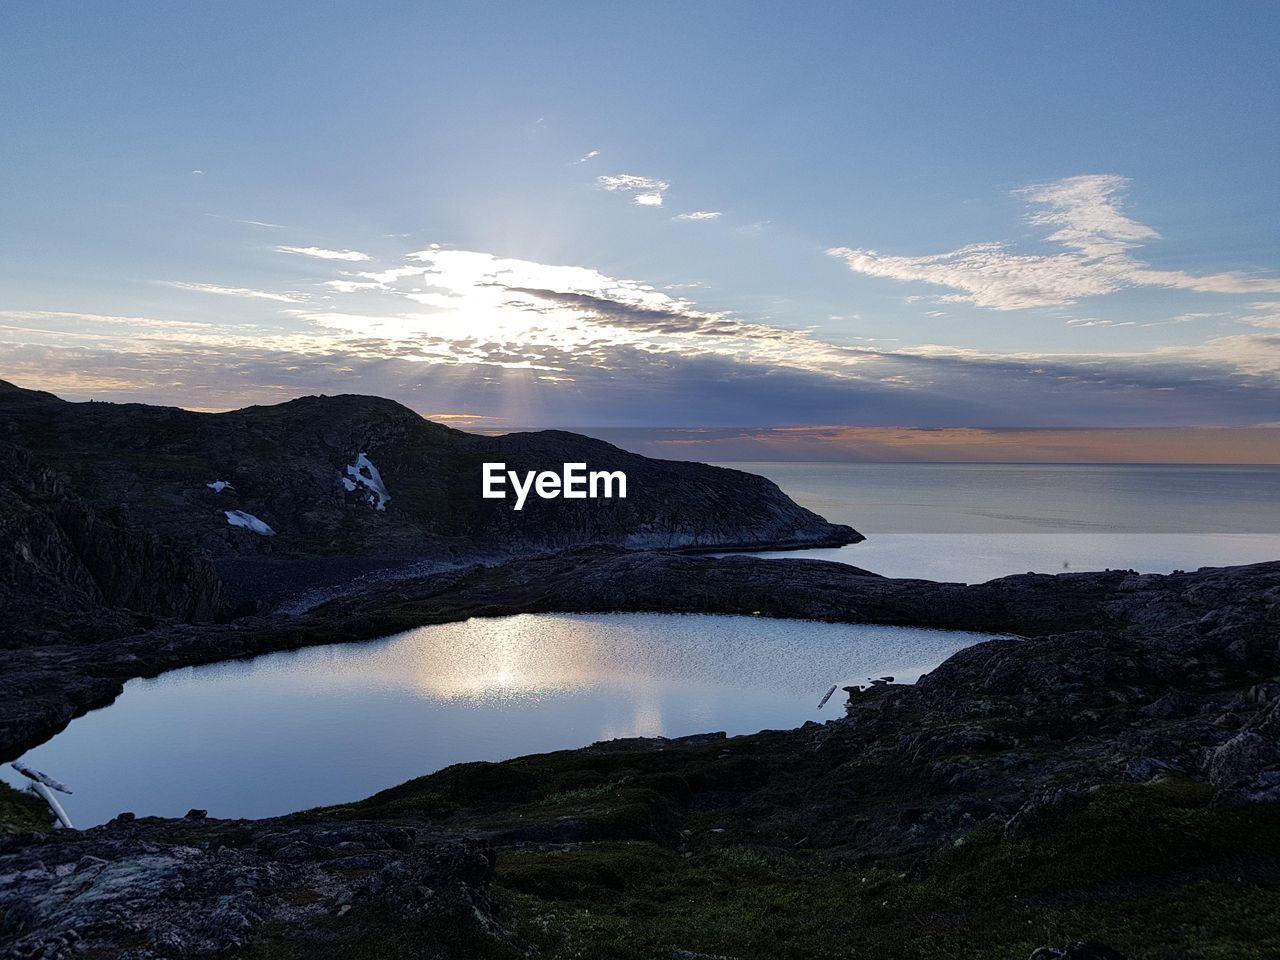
81,571
355,476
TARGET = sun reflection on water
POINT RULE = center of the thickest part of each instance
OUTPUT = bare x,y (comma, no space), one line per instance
511,657
331,724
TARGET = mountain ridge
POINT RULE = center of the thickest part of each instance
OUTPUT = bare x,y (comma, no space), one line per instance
294,465
324,488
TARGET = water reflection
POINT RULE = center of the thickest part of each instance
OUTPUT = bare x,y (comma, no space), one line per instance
329,724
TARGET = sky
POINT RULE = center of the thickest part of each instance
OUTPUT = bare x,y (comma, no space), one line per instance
613,215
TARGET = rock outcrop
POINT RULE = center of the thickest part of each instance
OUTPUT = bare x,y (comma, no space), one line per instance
196,886
71,570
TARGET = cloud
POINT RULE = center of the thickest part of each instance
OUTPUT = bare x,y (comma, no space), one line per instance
514,300
250,223
1265,315
632,384
1180,318
1089,322
243,292
62,321
590,155
840,443
648,191
1087,214
353,286
699,215
671,317
383,278
626,182
462,302
551,344
1098,239
1250,354
320,253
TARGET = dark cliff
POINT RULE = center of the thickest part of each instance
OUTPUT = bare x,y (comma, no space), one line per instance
63,561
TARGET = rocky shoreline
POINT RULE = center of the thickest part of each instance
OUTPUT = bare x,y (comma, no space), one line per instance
1140,703
1226,609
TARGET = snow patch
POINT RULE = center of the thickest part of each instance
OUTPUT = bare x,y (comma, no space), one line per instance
238,518
365,473
349,484
219,485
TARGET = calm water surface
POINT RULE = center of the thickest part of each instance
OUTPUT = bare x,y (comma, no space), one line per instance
330,724
973,522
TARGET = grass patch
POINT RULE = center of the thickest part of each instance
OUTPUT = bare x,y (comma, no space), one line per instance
582,794
452,934
1155,870
588,873
23,811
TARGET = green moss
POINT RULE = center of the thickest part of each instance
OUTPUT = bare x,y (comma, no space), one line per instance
591,873
23,811
583,794
1155,870
1128,832
548,784
606,854
465,785
452,933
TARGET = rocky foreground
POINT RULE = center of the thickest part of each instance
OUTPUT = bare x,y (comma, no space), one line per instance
1109,773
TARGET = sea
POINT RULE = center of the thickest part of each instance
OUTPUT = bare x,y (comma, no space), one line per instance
969,523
